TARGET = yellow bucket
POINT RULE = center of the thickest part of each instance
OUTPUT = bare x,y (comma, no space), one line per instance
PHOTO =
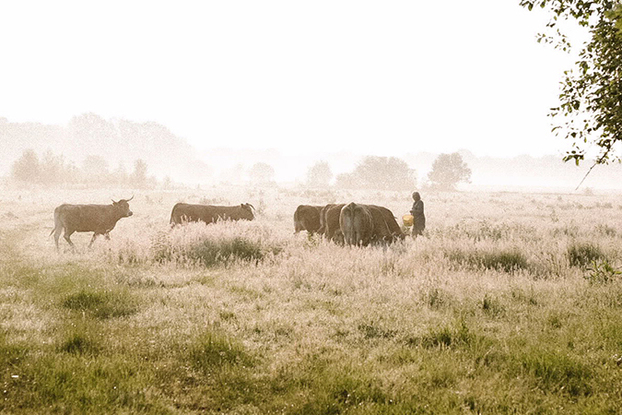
408,220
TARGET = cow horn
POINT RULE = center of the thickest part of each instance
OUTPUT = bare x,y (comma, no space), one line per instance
130,198
113,201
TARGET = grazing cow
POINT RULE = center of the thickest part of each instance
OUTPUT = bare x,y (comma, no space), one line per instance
329,222
394,228
185,212
365,224
307,218
99,219
357,224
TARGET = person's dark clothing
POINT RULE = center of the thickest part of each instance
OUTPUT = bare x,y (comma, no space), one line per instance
419,217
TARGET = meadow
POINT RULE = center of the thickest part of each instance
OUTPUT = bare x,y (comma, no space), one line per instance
510,303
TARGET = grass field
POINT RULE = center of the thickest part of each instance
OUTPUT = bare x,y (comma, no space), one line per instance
510,303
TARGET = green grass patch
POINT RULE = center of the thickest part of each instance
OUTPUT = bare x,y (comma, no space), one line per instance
557,372
103,304
214,351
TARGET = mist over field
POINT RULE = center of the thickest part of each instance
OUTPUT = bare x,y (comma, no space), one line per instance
97,146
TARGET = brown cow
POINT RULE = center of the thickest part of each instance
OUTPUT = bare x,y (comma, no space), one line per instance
99,219
394,228
185,212
357,224
365,224
307,218
329,221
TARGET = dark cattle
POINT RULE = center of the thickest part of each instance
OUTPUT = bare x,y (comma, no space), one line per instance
357,224
307,218
99,219
329,222
394,228
184,212
365,224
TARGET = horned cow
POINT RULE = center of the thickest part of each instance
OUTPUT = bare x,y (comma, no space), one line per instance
185,212
99,219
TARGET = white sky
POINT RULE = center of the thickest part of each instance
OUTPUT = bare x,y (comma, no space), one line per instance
374,77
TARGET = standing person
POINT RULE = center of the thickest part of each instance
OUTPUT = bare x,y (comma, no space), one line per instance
418,215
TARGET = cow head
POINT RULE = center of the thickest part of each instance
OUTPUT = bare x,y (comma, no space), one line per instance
248,211
123,207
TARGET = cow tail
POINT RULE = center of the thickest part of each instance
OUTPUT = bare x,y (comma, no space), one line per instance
56,221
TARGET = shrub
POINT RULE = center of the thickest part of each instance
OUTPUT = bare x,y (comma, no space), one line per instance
601,273
506,261
582,254
210,250
210,253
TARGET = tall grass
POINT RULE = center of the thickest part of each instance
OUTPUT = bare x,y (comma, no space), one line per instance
500,308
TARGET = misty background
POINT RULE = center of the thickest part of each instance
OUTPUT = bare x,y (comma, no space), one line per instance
92,151
146,94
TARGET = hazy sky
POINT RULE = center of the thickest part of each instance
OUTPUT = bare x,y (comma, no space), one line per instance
381,77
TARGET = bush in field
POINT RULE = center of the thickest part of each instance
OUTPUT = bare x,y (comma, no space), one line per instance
582,254
194,246
506,260
601,273
210,253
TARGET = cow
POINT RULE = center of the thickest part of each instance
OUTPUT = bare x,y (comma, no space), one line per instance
394,228
185,212
329,222
99,219
365,224
307,218
357,224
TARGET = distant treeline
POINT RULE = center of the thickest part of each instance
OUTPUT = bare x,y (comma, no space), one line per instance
117,141
53,169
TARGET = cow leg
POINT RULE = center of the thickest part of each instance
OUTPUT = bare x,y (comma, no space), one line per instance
57,232
93,239
107,236
67,236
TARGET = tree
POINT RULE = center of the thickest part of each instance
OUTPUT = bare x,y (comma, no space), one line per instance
261,173
382,173
27,168
138,177
52,169
95,169
319,175
591,93
448,170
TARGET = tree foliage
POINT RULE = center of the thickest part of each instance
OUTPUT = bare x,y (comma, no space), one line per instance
261,173
319,175
591,92
382,173
26,168
52,169
448,170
